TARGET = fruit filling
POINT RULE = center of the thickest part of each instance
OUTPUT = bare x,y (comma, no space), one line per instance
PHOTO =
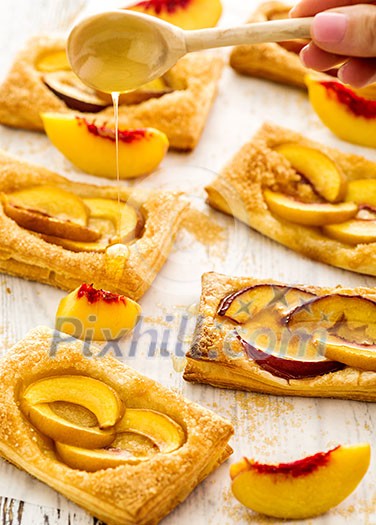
294,334
304,488
344,210
62,217
159,6
89,314
90,426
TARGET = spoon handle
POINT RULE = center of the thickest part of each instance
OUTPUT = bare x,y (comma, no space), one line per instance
257,33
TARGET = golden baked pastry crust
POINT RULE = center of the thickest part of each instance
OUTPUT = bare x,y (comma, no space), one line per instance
270,60
238,191
27,255
208,361
129,494
181,114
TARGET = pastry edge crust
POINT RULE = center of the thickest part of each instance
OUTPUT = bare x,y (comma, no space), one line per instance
238,191
26,255
27,449
242,373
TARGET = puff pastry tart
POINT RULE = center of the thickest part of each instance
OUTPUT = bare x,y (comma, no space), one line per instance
314,199
272,338
279,62
64,233
118,444
177,104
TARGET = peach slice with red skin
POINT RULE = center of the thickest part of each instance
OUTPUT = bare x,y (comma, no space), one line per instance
304,488
320,170
187,14
287,368
52,201
330,311
356,231
140,150
115,221
361,356
42,223
347,114
91,314
308,214
244,304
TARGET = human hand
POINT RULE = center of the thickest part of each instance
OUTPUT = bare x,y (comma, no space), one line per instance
343,35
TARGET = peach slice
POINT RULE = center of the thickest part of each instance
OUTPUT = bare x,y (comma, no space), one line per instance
346,113
362,191
304,488
74,93
187,14
50,424
53,61
140,150
361,356
287,368
91,460
330,311
43,223
52,201
159,428
243,305
321,171
91,314
308,214
357,231
126,220
92,394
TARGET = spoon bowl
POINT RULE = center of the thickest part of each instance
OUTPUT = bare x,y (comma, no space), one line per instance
118,51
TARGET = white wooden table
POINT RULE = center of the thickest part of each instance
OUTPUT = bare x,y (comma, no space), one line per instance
268,428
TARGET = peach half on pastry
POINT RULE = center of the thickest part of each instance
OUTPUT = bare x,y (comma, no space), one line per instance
361,356
311,213
320,170
91,147
304,488
242,305
187,14
93,314
52,211
347,114
90,394
140,434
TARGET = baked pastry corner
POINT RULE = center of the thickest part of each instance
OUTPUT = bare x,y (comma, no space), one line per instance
239,192
217,356
181,113
27,254
138,492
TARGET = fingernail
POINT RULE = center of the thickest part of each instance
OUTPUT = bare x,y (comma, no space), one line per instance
292,11
302,55
329,27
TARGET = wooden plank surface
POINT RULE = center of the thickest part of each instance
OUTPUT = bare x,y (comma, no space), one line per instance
269,428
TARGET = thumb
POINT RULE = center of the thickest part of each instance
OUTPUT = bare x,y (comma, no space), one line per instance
349,31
